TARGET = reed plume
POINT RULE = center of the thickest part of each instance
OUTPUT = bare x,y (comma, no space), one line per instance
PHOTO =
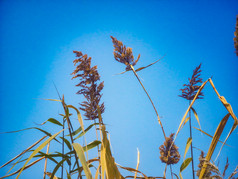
91,88
189,91
236,36
169,154
124,55
212,171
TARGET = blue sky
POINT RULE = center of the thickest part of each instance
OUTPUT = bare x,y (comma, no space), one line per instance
37,40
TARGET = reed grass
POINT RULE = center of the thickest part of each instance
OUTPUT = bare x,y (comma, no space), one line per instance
74,156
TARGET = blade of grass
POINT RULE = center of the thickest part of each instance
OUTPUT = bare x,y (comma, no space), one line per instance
214,142
108,161
92,145
184,166
14,165
20,170
133,171
138,162
66,110
43,131
80,119
85,131
210,136
189,141
51,100
37,150
186,120
196,116
52,175
141,68
24,151
79,150
67,143
52,120
229,109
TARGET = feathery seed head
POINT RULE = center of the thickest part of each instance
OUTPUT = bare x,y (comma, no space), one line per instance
191,89
123,54
169,155
90,86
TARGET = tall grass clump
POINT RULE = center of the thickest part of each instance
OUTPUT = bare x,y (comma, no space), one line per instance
67,149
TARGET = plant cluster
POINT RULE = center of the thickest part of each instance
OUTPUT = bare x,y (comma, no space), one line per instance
73,159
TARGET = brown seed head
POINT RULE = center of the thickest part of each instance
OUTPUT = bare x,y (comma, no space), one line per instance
169,155
190,90
236,36
123,54
90,86
211,172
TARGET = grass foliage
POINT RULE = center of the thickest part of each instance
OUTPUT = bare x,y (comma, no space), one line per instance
72,160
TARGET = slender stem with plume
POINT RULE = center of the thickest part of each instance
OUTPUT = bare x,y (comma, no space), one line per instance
190,127
188,92
91,88
124,55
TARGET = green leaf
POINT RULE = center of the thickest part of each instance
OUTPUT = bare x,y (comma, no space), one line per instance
68,175
53,100
14,165
45,132
79,116
67,143
52,120
75,132
52,175
79,150
189,141
49,156
37,150
184,165
86,130
92,145
196,116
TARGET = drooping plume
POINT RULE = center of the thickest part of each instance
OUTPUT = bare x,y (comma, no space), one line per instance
90,85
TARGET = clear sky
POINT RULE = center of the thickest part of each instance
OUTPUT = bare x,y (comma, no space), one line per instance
36,48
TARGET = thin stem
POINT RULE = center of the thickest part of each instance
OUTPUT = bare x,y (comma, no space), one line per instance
165,170
149,99
190,126
62,168
97,146
47,151
171,171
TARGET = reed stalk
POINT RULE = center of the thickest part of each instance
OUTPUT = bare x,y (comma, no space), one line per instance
157,114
